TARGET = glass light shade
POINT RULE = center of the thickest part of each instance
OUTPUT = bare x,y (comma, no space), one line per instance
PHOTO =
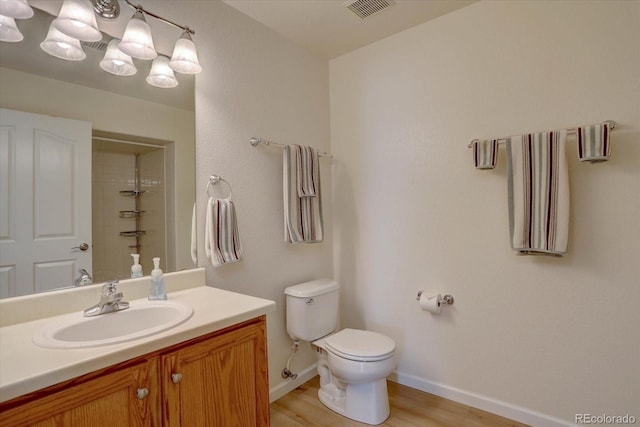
16,9
185,58
76,19
161,75
136,40
62,46
116,62
9,32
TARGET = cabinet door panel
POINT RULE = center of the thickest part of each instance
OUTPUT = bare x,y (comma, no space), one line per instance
223,383
105,401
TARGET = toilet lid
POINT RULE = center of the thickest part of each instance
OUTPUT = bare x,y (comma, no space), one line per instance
360,345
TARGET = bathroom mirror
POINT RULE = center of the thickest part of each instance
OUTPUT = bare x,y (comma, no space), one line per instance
142,154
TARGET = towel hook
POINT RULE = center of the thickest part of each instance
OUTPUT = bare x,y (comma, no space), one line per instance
215,179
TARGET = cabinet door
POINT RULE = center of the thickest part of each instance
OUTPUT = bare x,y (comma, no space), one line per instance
109,400
218,382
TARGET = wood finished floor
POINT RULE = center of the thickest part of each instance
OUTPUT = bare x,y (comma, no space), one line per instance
409,408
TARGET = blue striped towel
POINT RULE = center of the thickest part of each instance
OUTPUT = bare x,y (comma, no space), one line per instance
538,186
222,241
303,221
485,153
594,143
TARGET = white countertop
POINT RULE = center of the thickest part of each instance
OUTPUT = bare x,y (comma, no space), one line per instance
25,367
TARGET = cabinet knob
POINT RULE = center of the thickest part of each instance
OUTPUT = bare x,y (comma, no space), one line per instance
142,393
176,378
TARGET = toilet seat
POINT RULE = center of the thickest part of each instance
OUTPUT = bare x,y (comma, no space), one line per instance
361,346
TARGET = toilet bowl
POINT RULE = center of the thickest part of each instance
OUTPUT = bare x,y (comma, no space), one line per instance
353,364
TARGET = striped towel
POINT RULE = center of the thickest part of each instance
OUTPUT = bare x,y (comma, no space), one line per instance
538,185
485,153
302,214
222,241
308,170
594,144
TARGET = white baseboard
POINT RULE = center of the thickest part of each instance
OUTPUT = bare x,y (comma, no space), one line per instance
285,387
484,403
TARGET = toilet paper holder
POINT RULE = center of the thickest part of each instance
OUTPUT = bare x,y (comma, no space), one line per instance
445,300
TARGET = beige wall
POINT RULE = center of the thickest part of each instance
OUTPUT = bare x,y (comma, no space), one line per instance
536,338
256,83
533,338
110,112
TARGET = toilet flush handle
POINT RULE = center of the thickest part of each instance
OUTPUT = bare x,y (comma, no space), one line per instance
309,301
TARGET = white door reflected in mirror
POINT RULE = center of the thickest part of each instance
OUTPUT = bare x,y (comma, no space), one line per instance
45,202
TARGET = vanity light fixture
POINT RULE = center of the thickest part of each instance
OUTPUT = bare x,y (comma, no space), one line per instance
77,22
9,31
62,46
185,58
76,19
161,75
117,62
16,9
136,40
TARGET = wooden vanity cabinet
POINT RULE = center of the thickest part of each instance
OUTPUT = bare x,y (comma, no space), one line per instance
112,398
219,379
222,381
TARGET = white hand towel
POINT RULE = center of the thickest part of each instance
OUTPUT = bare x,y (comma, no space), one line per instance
303,221
485,153
538,185
594,143
222,241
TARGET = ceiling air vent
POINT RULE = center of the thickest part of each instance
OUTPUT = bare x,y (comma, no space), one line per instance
366,8
99,46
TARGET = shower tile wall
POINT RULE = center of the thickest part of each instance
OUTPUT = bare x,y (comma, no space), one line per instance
152,178
112,173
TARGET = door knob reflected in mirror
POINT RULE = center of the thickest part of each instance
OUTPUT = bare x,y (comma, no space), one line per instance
83,247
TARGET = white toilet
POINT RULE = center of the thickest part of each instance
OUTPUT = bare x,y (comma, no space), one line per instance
353,364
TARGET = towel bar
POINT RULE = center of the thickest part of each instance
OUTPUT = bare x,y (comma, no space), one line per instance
570,131
255,141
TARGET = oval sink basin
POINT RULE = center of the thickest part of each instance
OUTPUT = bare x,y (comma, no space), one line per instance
141,319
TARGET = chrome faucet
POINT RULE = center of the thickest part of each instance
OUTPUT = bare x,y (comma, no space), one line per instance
84,279
110,301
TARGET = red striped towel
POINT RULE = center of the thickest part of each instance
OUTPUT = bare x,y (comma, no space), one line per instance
538,185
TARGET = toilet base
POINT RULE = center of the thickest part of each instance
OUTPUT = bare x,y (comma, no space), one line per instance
367,403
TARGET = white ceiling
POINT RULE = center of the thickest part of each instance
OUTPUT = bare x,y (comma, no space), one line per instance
328,29
324,27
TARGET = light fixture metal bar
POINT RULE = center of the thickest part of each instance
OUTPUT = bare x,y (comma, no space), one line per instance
107,9
145,11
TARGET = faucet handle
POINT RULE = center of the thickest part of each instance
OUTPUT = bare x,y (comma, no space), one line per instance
110,287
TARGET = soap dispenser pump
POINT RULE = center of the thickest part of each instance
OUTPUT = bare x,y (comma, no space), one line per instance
136,268
158,290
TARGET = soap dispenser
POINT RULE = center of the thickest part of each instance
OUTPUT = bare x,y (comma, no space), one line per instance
136,268
158,290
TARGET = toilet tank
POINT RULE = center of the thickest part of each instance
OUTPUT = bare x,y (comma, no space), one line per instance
312,309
